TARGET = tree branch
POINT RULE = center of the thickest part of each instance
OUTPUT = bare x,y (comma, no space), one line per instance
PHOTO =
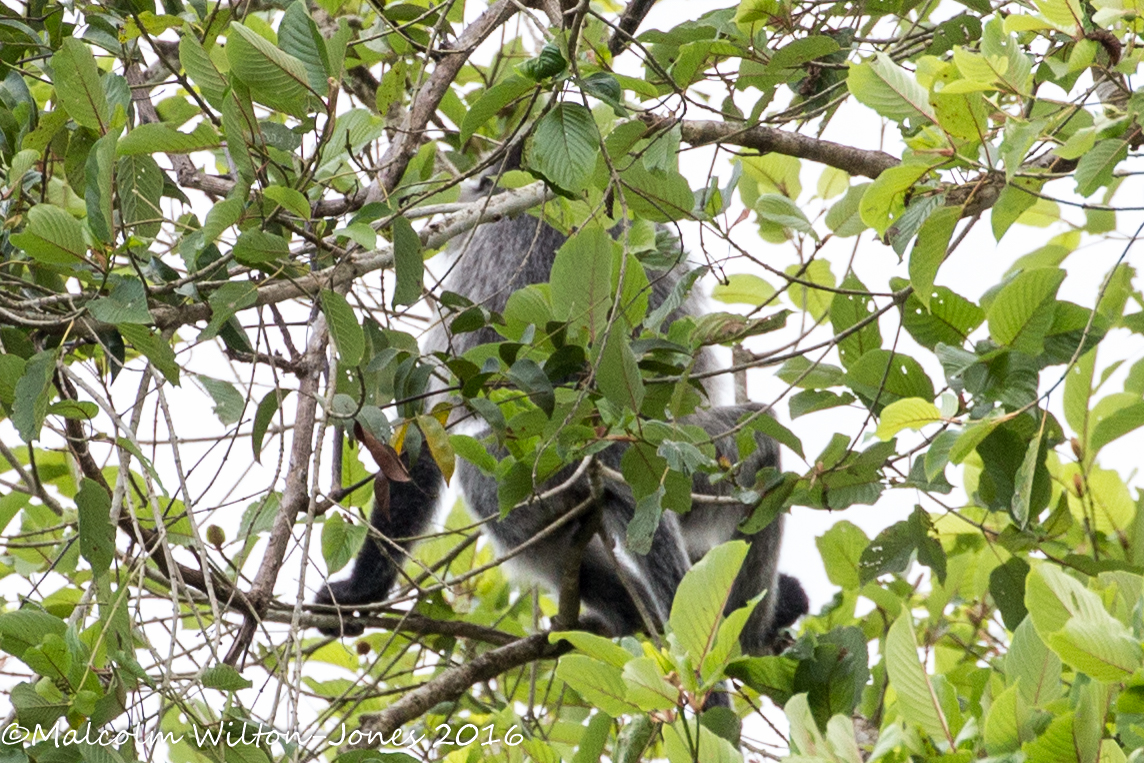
856,161
454,682
402,150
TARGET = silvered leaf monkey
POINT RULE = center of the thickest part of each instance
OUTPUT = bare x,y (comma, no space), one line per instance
619,589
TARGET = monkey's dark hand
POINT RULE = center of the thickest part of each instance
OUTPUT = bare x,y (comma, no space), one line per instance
340,593
792,603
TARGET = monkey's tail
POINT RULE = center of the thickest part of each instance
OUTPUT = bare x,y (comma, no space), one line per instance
411,508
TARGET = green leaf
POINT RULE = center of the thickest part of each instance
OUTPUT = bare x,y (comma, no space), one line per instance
238,126
564,147
1032,666
224,677
888,376
908,413
810,401
743,289
341,541
127,303
474,452
25,628
275,78
701,598
847,311
225,302
841,549
1078,390
288,198
1007,586
1115,425
11,369
548,63
801,51
814,301
408,264
99,176
656,195
917,700
1065,15
229,402
929,250
299,37
1072,620
258,249
1023,483
774,174
593,739
647,687
392,87
140,185
437,441
1096,167
783,212
202,72
883,202
78,89
1022,312
600,684
1005,722
96,533
832,182
220,217
526,374
845,218
769,425
889,89
267,407
52,237
32,394
157,137
617,372
594,646
153,347
344,328
581,280
491,102
696,743
950,318
1012,203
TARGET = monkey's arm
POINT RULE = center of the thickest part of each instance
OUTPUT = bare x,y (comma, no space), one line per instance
411,508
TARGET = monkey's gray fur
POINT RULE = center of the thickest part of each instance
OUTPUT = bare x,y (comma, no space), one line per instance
498,259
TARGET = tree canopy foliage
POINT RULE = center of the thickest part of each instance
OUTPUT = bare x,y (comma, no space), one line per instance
222,234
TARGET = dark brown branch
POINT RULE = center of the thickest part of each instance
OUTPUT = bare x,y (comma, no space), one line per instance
454,682
402,150
296,494
856,161
629,22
